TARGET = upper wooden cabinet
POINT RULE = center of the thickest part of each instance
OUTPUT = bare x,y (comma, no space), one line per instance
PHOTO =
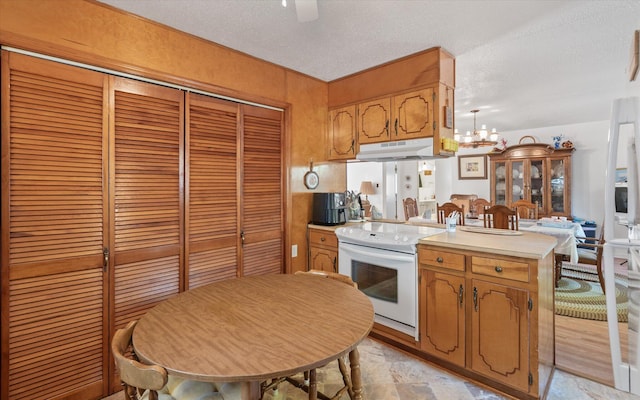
374,118
342,133
535,172
404,99
404,116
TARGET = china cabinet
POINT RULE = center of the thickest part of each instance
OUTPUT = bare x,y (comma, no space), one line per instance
535,172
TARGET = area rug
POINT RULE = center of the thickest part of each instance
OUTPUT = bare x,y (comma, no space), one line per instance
584,299
588,272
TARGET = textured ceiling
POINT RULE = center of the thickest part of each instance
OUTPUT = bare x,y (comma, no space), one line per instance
524,64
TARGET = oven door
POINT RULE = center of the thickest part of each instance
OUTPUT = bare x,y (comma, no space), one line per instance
389,279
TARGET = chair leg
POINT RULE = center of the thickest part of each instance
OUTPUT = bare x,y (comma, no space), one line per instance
346,377
354,363
558,268
313,385
601,278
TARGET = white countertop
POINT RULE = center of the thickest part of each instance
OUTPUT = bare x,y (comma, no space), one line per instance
521,244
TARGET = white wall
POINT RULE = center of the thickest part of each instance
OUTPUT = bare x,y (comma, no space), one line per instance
588,165
393,181
367,171
587,172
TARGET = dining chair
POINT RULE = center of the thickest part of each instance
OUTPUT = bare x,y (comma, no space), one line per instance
137,379
478,205
410,208
446,209
501,217
590,253
309,384
525,209
151,382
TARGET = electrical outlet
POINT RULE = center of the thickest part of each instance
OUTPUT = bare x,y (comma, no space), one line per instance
294,250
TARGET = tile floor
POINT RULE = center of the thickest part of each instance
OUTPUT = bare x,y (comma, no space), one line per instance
388,374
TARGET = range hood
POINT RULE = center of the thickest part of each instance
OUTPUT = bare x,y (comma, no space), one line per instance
413,149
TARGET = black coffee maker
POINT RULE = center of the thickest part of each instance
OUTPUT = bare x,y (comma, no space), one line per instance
329,209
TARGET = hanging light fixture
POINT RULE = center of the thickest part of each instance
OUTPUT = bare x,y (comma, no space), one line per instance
477,138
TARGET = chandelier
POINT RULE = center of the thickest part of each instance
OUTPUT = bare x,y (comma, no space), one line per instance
477,138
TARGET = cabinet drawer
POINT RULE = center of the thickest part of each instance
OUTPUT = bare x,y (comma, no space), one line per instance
513,270
323,238
442,259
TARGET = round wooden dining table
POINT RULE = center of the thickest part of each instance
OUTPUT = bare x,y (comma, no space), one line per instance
256,328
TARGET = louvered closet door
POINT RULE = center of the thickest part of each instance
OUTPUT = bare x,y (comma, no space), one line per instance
54,344
262,191
147,140
212,190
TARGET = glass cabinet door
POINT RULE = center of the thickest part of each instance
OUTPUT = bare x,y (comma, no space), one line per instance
536,187
533,172
500,178
558,192
518,183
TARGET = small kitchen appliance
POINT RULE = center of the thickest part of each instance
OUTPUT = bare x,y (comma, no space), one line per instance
329,209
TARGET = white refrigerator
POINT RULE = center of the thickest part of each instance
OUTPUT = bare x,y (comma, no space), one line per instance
625,115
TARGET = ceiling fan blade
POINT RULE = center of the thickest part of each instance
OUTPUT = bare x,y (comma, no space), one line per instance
307,10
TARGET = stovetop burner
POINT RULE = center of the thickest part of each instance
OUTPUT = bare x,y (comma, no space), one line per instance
387,236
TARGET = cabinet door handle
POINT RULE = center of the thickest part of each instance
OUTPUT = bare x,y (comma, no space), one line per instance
242,237
386,127
335,262
439,259
396,126
475,298
322,239
498,269
461,294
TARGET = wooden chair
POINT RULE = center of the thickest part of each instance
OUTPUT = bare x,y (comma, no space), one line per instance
463,200
478,205
142,382
410,208
309,384
525,209
136,377
501,217
590,252
446,209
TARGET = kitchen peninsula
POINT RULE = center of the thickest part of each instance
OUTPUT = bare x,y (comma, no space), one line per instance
486,307
485,297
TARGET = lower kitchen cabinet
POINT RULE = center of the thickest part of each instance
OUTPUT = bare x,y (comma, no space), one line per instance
323,249
443,316
480,314
500,345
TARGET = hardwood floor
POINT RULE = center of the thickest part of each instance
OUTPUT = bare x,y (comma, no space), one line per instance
582,348
582,345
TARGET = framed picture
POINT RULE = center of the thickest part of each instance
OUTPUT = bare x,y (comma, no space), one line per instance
621,175
472,167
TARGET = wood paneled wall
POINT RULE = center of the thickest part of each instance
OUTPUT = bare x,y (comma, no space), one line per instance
93,33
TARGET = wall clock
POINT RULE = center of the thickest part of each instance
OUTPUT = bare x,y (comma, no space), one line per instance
311,178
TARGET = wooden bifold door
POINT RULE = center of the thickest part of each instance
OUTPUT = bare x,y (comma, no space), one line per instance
117,194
